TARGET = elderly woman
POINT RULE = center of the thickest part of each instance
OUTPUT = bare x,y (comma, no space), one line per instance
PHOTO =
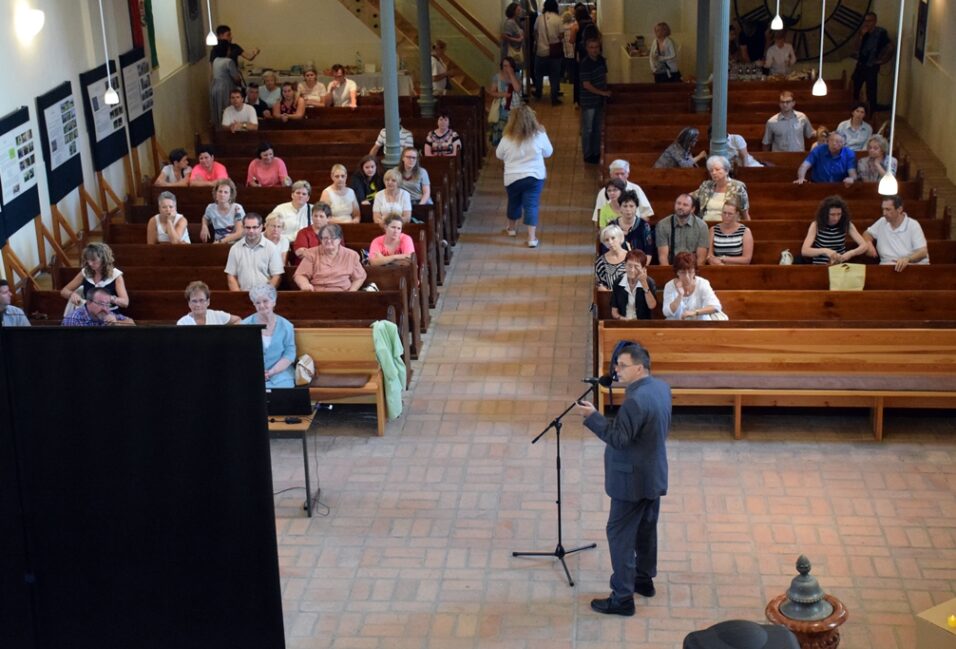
273,232
366,181
680,153
825,242
311,89
340,197
295,213
855,130
169,226
266,170
176,173
721,187
278,338
635,295
98,271
290,106
663,55
638,233
609,266
197,296
392,200
877,160
688,297
270,92
224,216
612,209
308,237
415,179
331,266
731,242
393,246
443,141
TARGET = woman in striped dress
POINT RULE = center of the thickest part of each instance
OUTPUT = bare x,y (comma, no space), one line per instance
609,267
825,242
731,242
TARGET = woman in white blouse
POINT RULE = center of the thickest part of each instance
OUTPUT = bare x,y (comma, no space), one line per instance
688,297
197,296
392,200
340,197
663,55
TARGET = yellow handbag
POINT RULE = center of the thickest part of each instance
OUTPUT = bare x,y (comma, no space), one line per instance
847,277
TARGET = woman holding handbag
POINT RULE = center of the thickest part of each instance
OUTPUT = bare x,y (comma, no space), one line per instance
663,55
506,90
549,51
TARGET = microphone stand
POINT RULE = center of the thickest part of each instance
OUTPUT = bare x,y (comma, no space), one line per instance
559,552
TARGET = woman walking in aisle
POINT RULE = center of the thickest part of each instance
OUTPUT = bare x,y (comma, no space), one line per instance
524,146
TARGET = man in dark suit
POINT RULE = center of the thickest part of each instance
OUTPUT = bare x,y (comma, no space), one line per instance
635,477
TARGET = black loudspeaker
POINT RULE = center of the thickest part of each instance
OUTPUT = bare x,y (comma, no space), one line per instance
136,490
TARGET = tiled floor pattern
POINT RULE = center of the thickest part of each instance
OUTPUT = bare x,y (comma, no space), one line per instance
416,549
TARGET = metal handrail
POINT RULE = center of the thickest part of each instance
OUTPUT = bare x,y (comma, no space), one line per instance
460,27
471,19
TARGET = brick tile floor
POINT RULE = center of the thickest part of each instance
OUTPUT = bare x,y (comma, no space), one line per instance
416,548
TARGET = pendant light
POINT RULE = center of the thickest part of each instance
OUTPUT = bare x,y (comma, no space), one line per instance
777,23
820,87
111,97
28,22
888,185
211,39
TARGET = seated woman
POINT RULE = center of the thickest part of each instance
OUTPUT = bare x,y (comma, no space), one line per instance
266,170
177,172
392,200
308,237
97,271
825,242
442,141
273,232
295,213
415,179
331,266
311,89
731,242
721,187
688,297
612,209
609,266
638,234
392,247
680,153
278,338
877,160
635,296
270,92
340,197
855,131
169,226
197,296
291,106
224,216
366,180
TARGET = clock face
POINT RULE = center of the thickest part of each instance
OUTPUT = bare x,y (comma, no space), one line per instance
802,20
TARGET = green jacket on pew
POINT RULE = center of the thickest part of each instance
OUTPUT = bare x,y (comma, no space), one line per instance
388,349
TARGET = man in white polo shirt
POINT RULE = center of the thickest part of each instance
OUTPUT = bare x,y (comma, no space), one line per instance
899,240
238,115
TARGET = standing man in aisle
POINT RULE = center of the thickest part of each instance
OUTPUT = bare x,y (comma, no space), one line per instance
592,73
635,477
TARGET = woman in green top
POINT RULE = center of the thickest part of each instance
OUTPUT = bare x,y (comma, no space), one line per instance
612,209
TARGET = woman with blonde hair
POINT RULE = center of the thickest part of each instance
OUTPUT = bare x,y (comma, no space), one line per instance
524,146
98,270
340,197
393,199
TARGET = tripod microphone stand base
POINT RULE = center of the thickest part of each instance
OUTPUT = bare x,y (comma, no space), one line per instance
559,554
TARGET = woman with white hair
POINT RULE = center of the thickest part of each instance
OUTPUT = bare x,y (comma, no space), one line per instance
340,197
609,267
719,188
278,338
877,161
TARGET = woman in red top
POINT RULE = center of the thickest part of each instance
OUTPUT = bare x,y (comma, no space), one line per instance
393,246
308,237
291,106
266,170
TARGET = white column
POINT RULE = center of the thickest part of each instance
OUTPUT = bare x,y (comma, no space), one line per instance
718,123
426,100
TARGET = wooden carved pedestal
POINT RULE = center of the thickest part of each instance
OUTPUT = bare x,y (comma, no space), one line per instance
812,634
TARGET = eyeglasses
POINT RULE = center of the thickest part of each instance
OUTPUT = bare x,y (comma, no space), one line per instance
622,366
105,305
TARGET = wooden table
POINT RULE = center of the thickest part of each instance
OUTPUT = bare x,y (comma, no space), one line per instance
279,428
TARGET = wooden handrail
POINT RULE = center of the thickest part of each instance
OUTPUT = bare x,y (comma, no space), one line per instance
484,50
471,19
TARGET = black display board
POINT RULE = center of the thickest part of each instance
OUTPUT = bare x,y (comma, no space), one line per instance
137,95
58,115
136,490
106,127
20,197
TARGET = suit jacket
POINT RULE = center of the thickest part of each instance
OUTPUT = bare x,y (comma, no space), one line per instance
635,458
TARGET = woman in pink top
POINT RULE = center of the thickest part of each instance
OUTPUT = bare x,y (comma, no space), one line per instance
267,170
393,246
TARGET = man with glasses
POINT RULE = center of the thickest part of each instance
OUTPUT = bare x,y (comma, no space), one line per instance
635,477
253,260
96,312
789,129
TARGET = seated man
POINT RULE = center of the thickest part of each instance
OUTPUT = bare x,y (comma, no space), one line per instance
238,115
405,140
330,266
622,169
96,312
253,260
899,239
10,316
682,231
208,171
830,164
342,91
253,99
789,129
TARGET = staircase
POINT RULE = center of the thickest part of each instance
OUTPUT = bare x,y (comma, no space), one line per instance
472,50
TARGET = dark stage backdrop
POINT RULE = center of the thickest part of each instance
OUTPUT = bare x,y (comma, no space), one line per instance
136,490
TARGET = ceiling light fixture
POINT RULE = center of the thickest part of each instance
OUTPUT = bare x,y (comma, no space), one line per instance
820,87
888,185
111,97
211,39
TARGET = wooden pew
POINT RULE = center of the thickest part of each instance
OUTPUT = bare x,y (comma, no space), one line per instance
768,252
749,364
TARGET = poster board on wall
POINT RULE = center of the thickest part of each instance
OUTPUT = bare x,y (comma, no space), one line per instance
19,153
105,125
58,119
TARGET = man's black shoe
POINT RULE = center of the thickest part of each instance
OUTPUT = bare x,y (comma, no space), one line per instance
608,607
645,587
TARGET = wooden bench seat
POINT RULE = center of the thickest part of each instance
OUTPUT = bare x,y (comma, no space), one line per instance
750,365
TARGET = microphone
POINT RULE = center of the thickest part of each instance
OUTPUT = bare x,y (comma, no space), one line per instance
604,381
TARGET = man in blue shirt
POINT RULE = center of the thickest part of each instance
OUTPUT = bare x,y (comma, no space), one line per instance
10,316
832,163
